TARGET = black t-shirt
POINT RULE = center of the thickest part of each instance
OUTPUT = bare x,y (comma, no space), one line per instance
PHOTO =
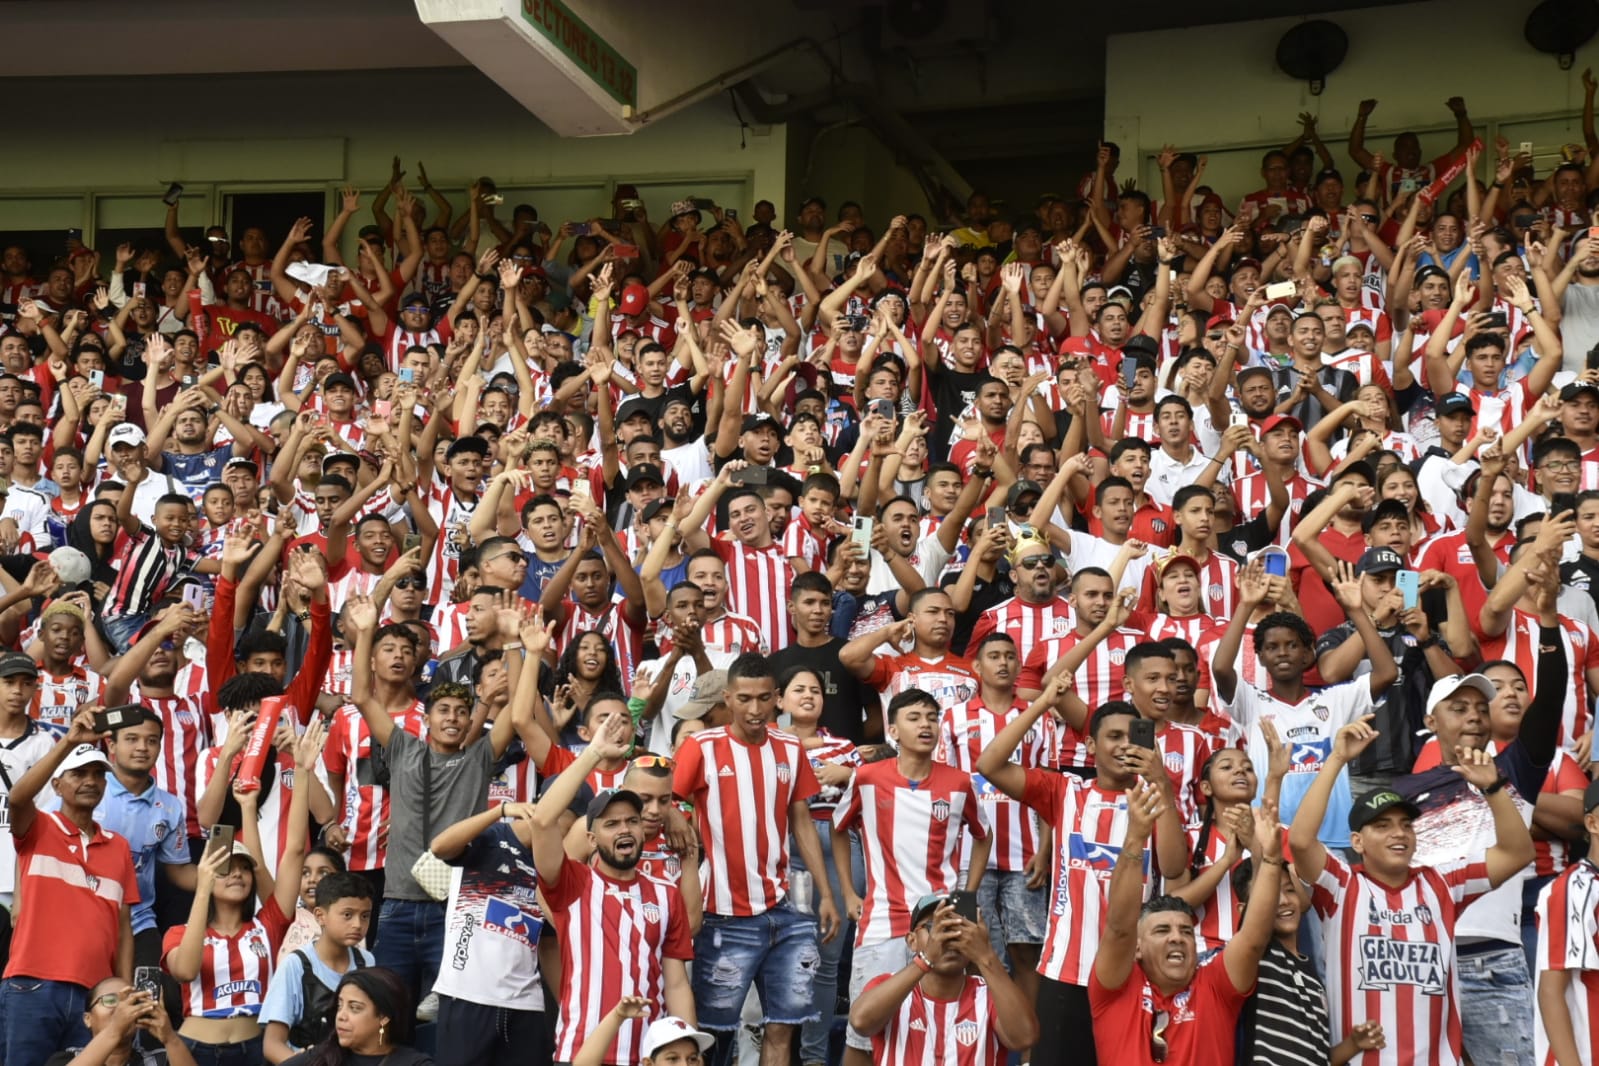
1582,573
400,1056
845,700
985,594
1247,536
953,392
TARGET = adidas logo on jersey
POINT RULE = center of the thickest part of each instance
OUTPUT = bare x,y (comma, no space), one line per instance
918,1027
726,771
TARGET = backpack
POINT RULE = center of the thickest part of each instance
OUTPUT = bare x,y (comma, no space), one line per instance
317,1004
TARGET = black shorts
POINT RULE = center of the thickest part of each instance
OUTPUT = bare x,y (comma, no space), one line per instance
470,1034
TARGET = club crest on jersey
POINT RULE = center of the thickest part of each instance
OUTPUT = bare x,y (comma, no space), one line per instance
941,810
1174,762
1321,711
651,912
1158,525
1060,626
966,1033
1118,656
784,772
1216,592
258,949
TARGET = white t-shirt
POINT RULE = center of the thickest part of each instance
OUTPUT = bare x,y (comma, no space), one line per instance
17,757
1089,550
1307,728
692,461
929,559
677,693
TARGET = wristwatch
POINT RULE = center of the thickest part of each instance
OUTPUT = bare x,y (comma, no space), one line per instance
1496,786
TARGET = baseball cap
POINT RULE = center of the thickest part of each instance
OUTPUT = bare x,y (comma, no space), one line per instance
81,756
1429,271
1143,344
1577,388
1384,510
643,473
336,379
1166,562
1590,797
707,692
655,507
1379,561
241,462
1219,319
1244,371
15,664
1453,403
634,408
416,299
1445,687
1020,489
634,299
670,1030
599,804
1375,803
926,906
760,421
70,564
1273,309
1246,262
1277,420
125,433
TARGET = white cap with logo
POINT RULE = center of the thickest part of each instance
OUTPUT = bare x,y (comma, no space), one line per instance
670,1030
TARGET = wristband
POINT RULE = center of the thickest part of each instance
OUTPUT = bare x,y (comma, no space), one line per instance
922,962
1496,786
1430,642
514,646
984,473
635,707
502,810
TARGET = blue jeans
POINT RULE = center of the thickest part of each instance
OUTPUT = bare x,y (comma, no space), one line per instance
814,1036
122,630
412,944
246,1053
1496,1006
1530,890
40,1018
775,951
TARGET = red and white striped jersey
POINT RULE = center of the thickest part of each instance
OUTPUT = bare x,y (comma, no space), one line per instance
964,731
1099,679
1382,326
741,794
1504,409
262,296
273,817
1139,426
599,779
1519,644
840,752
186,732
1568,939
800,541
14,292
910,833
364,804
613,936
451,624
1391,956
1025,623
627,643
234,970
341,673
1089,825
1366,366
59,696
452,517
731,634
758,580
1251,496
397,340
948,678
940,1032
434,278
1184,750
1219,915
1394,441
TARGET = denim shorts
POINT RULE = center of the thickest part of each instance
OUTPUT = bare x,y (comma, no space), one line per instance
1015,914
776,952
873,961
1496,1006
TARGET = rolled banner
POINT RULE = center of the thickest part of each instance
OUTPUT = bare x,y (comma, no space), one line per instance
1450,173
260,745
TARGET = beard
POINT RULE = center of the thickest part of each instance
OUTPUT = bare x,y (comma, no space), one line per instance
615,861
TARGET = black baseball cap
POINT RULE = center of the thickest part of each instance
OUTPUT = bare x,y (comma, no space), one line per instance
1577,388
1384,510
14,664
1373,804
635,408
1590,797
644,473
601,803
1453,403
1379,560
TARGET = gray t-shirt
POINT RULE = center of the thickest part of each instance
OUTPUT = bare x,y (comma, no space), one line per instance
1579,329
460,789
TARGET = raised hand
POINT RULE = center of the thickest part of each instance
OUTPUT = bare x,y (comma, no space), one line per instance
1354,738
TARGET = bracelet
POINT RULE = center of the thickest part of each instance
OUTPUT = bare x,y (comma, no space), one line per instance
513,646
1430,642
502,810
635,706
1278,862
1496,786
1215,460
984,473
922,962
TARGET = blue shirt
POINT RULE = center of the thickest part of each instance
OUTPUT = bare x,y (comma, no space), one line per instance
285,1001
195,472
539,574
152,822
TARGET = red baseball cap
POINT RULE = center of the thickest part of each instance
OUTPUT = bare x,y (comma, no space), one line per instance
1276,420
634,299
1220,318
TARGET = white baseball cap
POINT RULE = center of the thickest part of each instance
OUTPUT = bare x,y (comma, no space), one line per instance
670,1030
81,756
1445,687
125,433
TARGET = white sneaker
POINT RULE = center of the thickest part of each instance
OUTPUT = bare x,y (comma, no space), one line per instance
428,1009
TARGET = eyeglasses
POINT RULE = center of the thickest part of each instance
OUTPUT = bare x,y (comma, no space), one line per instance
653,762
1157,1036
418,309
109,1001
1568,466
411,583
1033,562
1368,218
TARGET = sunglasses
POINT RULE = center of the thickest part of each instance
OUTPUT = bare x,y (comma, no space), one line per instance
653,762
1033,562
411,583
514,557
1368,218
1157,1036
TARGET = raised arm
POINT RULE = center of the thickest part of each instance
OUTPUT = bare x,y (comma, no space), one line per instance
1118,944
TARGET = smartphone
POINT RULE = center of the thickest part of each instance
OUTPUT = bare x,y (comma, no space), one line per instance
1525,149
1129,370
702,202
97,379
625,251
493,198
965,904
1276,561
188,381
751,475
1408,582
581,487
1561,502
858,323
382,408
581,229
1157,232
117,718
861,531
1495,320
148,979
996,517
1408,185
138,290
1238,418
194,596
221,839
730,213
408,375
1141,733
1281,290
173,194
119,400
412,542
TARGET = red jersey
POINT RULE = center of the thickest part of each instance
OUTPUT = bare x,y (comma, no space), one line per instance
1450,553
599,780
364,804
758,580
59,696
948,678
1201,1020
1099,679
186,732
613,936
1184,750
1219,915
1391,956
452,516
741,794
1568,939
1251,496
397,341
910,834
1025,623
234,970
1089,825
964,732
948,1032
69,902
627,643
1218,583
1519,644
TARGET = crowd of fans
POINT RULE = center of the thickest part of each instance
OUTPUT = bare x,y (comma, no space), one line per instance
1163,625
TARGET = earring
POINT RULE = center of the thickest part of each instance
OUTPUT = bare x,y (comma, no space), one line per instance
383,1032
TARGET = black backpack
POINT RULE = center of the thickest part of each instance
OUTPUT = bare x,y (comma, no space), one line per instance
317,1005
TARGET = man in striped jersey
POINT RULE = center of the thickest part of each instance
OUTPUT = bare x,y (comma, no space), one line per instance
932,1010
1568,953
